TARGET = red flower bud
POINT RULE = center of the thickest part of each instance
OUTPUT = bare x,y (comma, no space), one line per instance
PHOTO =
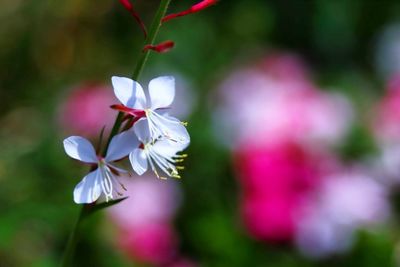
160,48
128,6
131,111
195,8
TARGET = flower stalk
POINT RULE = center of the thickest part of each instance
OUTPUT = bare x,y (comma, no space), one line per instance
144,55
72,239
151,37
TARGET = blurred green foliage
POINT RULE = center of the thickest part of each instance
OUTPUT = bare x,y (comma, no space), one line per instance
47,46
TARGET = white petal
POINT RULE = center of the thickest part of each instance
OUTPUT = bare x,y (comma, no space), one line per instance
129,92
174,129
89,189
79,148
121,145
168,148
139,161
162,91
141,128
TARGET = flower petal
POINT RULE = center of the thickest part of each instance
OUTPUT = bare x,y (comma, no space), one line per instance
167,148
121,145
161,47
79,148
193,9
138,160
129,92
141,128
162,91
173,129
89,189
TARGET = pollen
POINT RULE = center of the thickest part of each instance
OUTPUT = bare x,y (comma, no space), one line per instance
158,176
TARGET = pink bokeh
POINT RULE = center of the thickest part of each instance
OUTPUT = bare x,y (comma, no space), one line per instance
145,220
386,123
266,103
154,243
85,110
283,132
274,182
344,202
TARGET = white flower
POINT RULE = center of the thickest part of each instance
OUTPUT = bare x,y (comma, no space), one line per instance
161,95
103,178
162,153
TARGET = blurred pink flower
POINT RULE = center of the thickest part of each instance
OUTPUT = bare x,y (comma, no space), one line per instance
386,129
144,220
386,124
154,243
86,109
279,125
345,202
150,201
274,182
287,67
268,101
269,218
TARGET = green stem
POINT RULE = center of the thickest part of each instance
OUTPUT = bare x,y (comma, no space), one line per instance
144,55
154,29
72,240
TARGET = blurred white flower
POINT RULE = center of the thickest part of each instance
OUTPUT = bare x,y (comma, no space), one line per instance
161,95
103,179
386,164
162,153
317,236
345,203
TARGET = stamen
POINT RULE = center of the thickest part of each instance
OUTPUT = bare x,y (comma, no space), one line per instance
106,182
158,176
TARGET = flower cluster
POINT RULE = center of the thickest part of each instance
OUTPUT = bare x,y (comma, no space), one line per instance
295,188
151,138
